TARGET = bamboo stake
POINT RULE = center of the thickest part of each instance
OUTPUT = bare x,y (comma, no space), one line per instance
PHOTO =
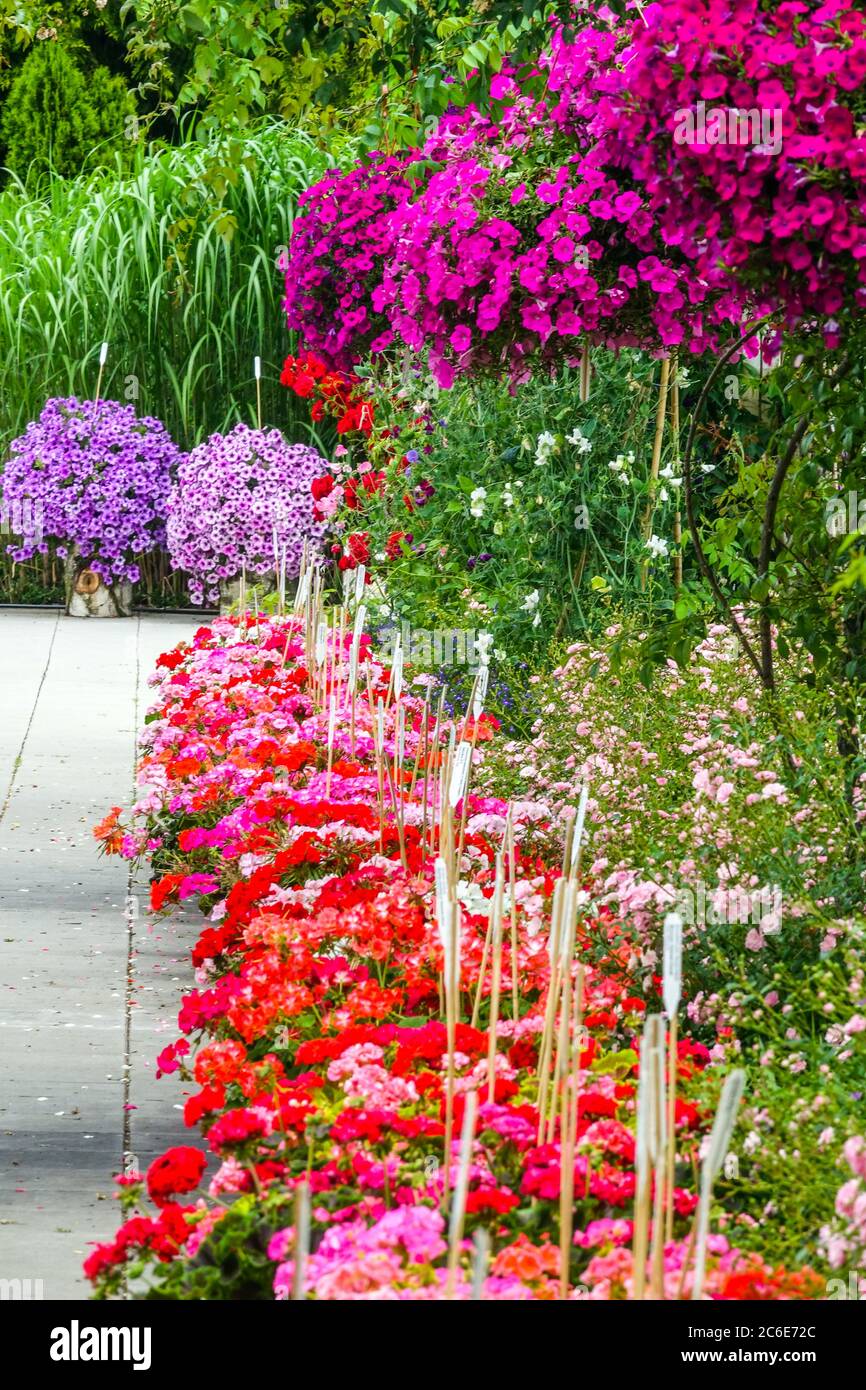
103,354
448,913
661,412
496,919
396,659
585,374
659,1149
723,1125
421,727
302,1238
332,723
556,915
424,790
480,1261
644,1149
398,816
458,1206
512,906
675,432
560,1064
379,745
566,958
568,1141
671,993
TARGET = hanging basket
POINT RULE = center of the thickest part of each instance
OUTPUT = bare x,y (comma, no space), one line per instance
88,596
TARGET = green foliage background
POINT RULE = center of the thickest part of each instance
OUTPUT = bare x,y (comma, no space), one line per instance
57,119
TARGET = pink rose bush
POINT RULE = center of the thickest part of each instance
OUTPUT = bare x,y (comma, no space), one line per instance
844,1240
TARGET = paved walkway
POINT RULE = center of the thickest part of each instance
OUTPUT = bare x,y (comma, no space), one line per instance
88,990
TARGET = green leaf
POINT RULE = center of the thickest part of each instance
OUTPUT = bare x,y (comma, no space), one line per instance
192,20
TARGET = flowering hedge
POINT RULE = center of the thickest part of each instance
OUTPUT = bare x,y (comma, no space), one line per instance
240,500
94,477
313,1036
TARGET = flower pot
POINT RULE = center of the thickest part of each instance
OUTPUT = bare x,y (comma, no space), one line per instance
88,596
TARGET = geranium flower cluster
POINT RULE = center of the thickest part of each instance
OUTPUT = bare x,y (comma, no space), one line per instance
352,478
313,1036
330,393
242,501
608,209
94,477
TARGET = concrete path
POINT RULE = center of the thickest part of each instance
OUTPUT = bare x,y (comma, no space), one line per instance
88,988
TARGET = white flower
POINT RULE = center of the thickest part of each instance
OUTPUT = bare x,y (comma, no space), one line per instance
545,446
508,498
476,501
656,545
499,653
708,468
579,440
530,603
536,621
664,495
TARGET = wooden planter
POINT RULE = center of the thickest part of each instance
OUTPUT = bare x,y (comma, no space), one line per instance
88,596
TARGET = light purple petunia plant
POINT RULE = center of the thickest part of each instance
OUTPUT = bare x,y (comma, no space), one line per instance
93,477
240,500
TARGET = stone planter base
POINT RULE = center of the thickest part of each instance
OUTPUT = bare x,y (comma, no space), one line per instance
88,596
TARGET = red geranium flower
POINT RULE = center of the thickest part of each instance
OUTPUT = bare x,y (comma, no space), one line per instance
177,1170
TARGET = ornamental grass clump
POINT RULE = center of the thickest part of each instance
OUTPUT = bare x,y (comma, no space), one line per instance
93,477
242,501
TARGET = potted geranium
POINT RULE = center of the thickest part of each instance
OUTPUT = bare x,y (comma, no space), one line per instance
94,477
242,505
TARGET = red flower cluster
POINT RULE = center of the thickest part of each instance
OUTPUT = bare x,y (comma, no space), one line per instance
331,393
177,1170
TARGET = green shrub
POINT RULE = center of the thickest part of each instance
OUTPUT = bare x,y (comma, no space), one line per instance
56,117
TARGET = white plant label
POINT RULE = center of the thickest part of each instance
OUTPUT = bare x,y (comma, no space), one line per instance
397,670
673,963
579,822
480,691
459,773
